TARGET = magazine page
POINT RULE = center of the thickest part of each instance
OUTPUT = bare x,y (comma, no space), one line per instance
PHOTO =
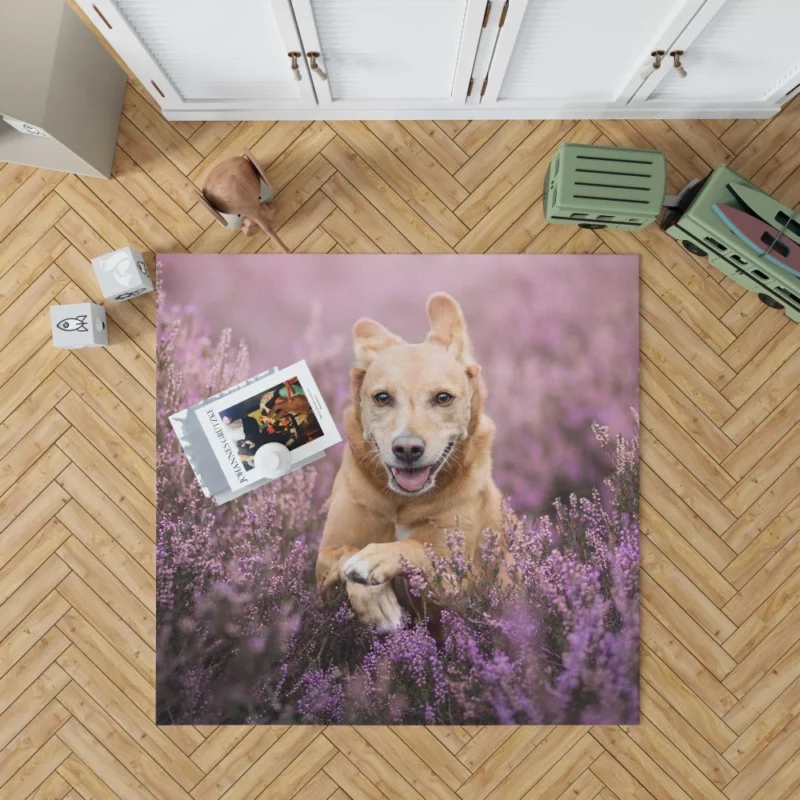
285,407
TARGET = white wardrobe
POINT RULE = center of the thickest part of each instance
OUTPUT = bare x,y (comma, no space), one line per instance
439,59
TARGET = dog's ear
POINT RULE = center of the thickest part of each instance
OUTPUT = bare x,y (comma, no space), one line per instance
448,326
369,339
356,382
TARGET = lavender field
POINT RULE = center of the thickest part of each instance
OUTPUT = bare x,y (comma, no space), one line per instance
242,634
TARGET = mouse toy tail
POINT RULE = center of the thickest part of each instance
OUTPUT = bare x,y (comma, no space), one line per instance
263,223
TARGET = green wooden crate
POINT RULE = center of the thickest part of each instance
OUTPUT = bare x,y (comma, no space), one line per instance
605,187
700,230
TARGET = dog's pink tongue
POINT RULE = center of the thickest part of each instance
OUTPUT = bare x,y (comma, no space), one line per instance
412,479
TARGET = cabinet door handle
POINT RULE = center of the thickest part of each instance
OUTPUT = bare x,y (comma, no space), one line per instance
676,60
312,58
294,55
657,55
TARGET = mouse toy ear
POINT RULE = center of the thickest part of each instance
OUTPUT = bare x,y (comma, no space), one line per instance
369,339
448,327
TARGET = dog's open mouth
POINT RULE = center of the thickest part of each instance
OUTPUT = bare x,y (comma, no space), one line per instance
415,479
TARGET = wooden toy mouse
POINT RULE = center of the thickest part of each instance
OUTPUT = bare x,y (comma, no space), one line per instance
238,194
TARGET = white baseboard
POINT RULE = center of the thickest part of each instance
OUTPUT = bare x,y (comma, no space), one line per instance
651,111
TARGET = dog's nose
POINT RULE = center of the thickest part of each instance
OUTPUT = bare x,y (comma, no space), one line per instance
408,448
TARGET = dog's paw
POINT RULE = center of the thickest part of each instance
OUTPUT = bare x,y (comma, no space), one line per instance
373,564
376,605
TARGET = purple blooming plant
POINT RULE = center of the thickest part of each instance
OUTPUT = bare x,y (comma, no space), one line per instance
542,628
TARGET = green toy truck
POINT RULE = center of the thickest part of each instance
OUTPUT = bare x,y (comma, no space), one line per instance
609,187
605,187
696,225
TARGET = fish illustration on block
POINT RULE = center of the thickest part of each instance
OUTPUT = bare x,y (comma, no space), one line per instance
763,238
78,324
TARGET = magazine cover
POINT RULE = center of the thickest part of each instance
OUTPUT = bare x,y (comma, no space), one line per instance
285,407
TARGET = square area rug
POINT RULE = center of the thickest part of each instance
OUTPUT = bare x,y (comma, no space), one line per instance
467,554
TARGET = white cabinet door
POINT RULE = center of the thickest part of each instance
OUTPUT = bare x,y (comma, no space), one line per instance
208,54
384,54
740,51
563,54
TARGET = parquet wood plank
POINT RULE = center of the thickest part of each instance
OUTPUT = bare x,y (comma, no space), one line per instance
31,666
503,762
159,131
85,783
108,516
299,152
684,520
37,700
110,625
376,769
764,729
12,176
30,267
33,736
30,230
352,782
111,445
586,787
688,416
720,693
416,226
760,697
367,225
676,584
103,767
37,769
155,164
426,168
119,744
237,762
683,447
622,784
779,568
126,714
524,189
503,179
539,772
706,763
112,591
437,143
146,191
662,606
402,757
762,548
31,629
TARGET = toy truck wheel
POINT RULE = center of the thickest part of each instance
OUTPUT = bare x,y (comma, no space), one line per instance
769,301
693,248
592,226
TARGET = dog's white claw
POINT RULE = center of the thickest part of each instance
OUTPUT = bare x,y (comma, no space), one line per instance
356,569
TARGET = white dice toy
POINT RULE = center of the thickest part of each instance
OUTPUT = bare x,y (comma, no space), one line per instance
78,325
122,274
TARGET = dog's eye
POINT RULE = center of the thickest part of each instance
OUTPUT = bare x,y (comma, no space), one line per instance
444,399
382,398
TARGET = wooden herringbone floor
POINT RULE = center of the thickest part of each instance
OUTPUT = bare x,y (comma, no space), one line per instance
720,377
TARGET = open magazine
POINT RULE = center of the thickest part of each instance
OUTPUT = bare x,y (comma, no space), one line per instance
222,434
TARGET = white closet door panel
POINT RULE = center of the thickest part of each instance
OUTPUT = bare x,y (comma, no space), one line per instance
748,50
583,50
214,50
388,50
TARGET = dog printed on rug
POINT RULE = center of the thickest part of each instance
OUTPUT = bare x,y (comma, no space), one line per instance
417,464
